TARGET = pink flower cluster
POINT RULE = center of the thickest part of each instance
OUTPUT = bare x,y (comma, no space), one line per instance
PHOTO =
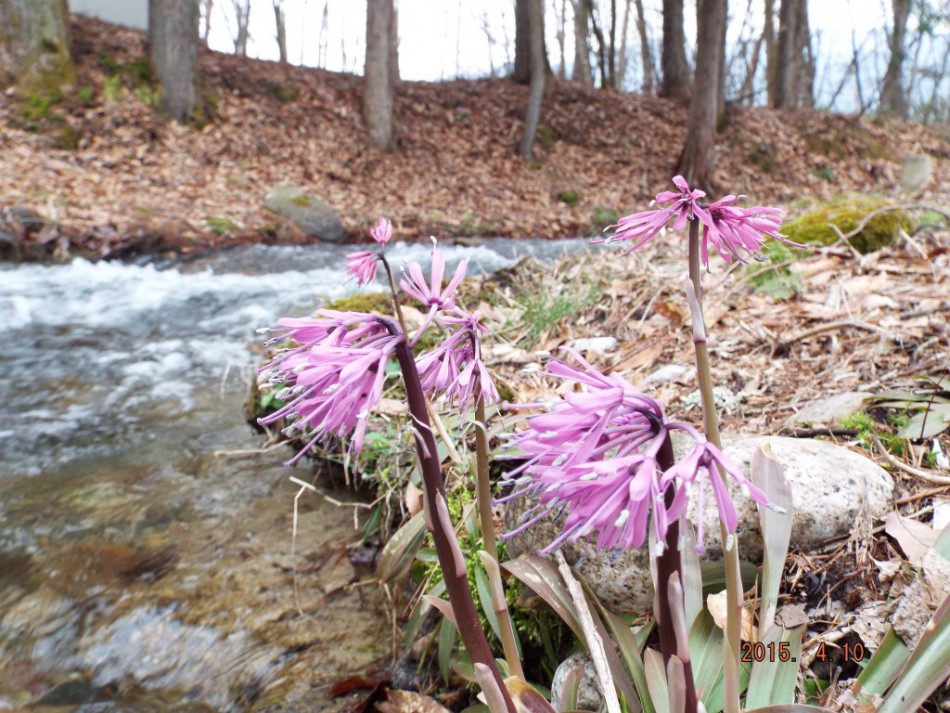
333,378
593,454
727,227
334,373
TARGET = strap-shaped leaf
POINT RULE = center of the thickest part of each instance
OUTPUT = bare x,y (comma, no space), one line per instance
399,552
883,667
772,681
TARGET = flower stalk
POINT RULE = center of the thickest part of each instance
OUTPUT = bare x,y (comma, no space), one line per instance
730,552
446,544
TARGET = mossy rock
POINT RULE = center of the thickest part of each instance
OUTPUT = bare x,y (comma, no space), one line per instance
814,227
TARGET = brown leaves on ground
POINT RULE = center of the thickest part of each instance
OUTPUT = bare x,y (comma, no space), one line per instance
116,179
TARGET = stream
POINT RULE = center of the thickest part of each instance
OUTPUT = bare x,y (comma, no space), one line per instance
145,535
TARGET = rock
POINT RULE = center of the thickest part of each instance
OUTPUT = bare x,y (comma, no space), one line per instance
306,211
828,412
916,172
589,697
832,488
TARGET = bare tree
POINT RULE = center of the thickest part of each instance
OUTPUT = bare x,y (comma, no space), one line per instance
768,35
281,22
206,7
612,50
676,83
560,22
378,85
242,14
697,162
522,70
173,45
324,41
536,89
793,62
893,96
34,43
581,71
601,46
490,39
646,56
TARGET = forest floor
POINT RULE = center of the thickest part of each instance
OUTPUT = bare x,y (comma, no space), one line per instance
112,178
115,180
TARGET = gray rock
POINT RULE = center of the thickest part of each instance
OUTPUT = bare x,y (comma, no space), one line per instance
589,697
595,345
832,487
916,172
829,412
306,211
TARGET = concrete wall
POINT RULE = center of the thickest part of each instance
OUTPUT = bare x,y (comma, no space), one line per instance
131,13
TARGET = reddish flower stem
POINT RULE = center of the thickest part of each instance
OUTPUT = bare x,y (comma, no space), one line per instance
456,582
669,564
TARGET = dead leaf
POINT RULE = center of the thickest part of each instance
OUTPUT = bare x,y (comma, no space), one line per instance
716,604
792,615
409,702
914,538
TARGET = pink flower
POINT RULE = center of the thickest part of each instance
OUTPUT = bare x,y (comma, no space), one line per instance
383,231
694,471
432,295
643,227
729,228
362,266
594,454
456,365
333,378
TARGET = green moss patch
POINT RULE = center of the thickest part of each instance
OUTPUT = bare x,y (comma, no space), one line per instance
846,213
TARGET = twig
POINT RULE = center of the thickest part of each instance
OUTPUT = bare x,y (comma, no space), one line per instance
782,347
594,642
820,431
926,475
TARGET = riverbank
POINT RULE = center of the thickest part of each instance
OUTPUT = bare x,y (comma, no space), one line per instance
98,173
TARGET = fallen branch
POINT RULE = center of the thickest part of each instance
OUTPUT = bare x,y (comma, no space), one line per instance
782,347
926,475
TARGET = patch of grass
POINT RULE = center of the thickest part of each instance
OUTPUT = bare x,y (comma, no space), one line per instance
601,218
86,94
545,310
546,136
569,197
147,95
222,225
285,95
867,427
845,213
364,302
112,89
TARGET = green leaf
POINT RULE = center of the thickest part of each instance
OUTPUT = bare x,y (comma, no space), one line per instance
419,613
928,423
772,680
400,551
714,576
447,636
656,680
705,653
484,597
883,667
927,668
769,475
790,708
630,649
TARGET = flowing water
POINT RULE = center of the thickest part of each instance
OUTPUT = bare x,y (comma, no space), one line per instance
145,553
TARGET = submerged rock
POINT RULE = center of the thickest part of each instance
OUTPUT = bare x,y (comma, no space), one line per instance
305,210
832,489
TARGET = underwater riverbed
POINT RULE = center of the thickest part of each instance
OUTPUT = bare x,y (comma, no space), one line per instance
145,535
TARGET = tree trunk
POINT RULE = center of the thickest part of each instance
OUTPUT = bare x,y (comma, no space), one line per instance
173,45
768,35
522,70
377,74
646,57
581,71
805,80
206,7
34,43
560,21
612,49
536,91
281,21
785,62
697,162
242,11
673,58
394,45
893,97
601,45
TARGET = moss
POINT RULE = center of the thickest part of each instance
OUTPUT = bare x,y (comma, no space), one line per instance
763,157
569,197
68,138
302,200
546,136
364,302
285,95
602,217
882,230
